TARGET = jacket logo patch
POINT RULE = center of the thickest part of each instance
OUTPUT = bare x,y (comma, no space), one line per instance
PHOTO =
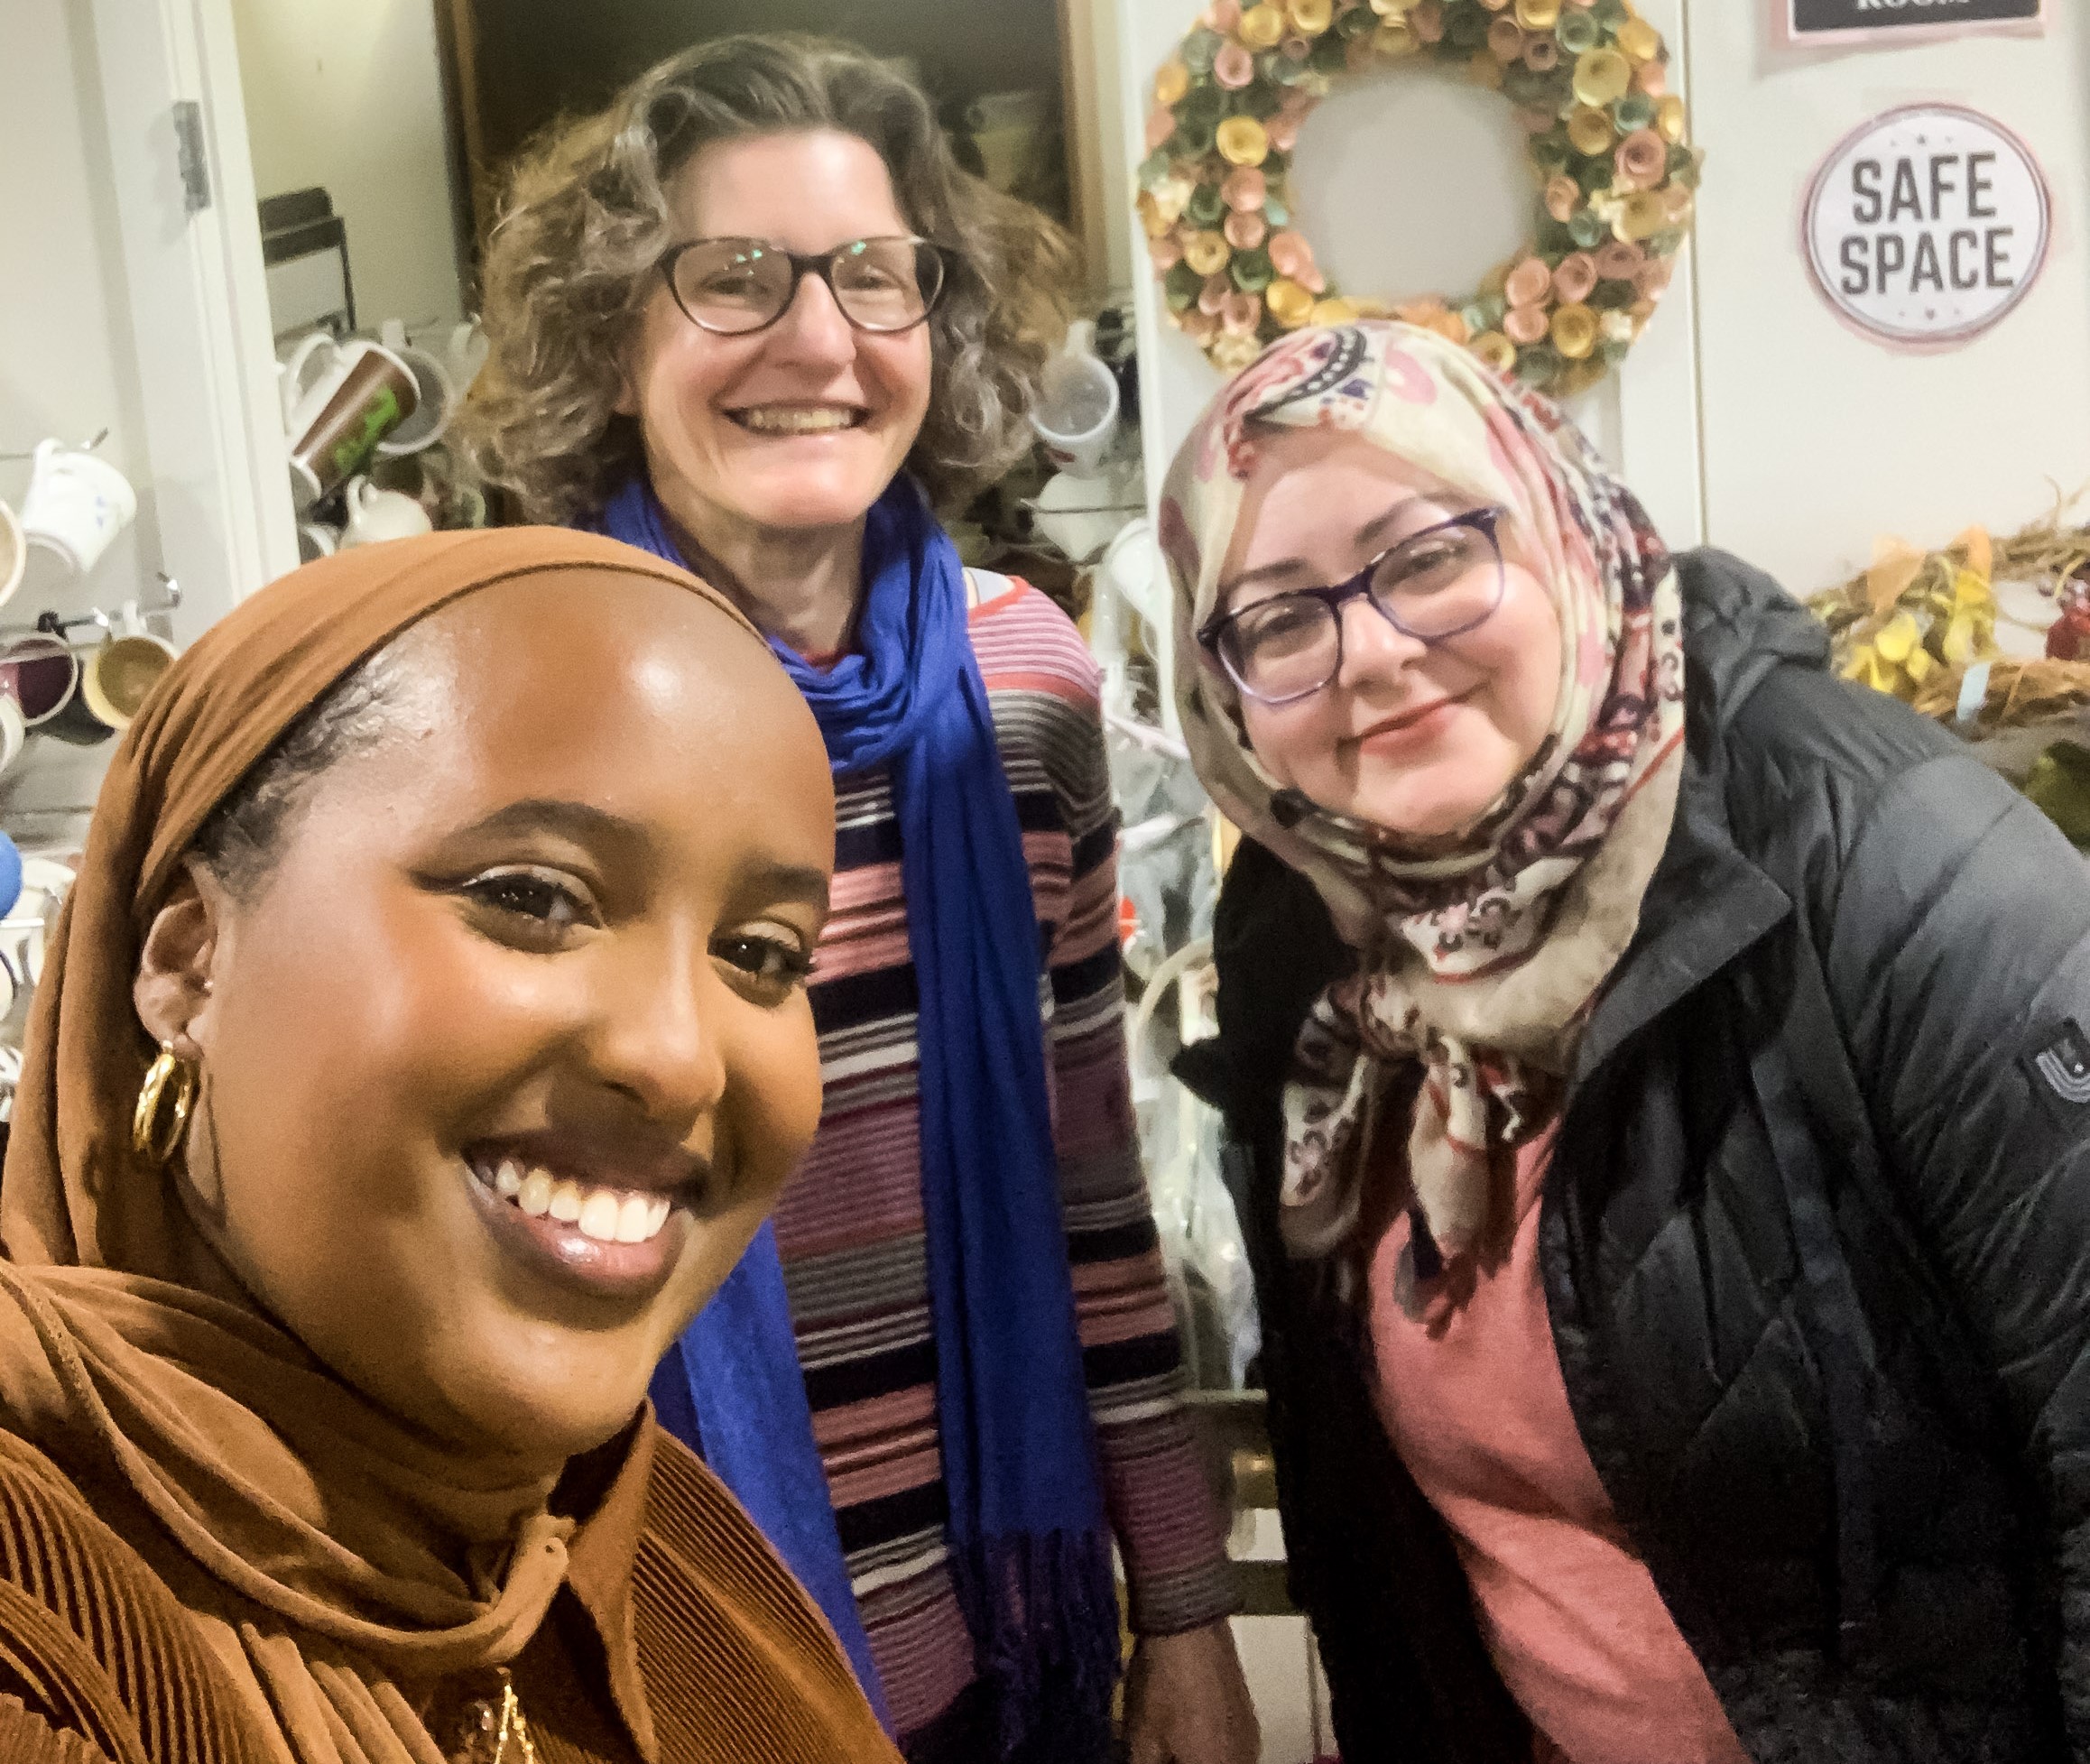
2062,1065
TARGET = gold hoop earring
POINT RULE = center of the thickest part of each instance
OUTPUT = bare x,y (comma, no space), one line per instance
149,1137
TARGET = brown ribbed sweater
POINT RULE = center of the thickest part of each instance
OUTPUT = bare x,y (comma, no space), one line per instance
679,1638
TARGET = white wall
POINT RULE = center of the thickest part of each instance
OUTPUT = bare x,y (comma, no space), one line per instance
350,96
1411,183
68,363
1815,439
1748,416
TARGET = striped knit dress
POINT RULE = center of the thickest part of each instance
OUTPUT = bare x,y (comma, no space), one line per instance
850,1223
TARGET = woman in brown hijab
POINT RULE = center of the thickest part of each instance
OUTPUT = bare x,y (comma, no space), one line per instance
466,886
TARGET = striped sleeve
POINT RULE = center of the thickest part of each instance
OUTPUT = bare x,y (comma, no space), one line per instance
1044,685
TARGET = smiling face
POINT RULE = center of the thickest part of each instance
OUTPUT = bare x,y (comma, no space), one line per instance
799,427
507,1053
1417,739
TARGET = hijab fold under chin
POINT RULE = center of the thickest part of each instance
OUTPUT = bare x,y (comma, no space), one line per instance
331,1554
1477,963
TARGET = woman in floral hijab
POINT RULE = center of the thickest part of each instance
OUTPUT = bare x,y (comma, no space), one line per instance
1664,1071
1482,957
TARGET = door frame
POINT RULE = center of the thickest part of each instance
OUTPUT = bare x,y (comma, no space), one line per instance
198,298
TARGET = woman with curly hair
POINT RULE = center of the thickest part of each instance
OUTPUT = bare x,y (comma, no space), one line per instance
755,319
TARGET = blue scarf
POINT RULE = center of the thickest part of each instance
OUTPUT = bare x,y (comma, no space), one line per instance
1029,1549
731,1390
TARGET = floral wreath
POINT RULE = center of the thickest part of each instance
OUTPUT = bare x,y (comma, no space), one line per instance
1588,79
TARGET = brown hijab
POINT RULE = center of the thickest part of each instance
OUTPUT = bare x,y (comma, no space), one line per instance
334,1561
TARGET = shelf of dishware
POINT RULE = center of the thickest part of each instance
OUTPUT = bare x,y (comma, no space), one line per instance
80,650
364,422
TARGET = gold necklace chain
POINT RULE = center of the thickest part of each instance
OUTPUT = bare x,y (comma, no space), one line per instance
497,1732
514,1725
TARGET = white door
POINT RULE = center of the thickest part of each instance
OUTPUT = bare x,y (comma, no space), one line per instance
192,264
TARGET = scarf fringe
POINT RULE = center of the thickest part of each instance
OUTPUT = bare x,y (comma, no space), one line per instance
1043,1611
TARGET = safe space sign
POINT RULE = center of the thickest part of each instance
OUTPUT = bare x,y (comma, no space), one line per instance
1927,226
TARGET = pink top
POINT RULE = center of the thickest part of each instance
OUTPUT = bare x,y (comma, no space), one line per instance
1479,1414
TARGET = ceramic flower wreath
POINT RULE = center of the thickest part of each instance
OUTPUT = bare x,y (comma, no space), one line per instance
1607,142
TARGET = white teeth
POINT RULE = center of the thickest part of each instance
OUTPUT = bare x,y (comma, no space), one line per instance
635,1218
609,1215
796,418
600,1215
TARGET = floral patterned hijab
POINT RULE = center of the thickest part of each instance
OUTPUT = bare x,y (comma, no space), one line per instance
1479,965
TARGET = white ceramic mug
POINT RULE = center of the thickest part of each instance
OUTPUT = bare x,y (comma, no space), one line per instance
341,400
41,673
437,394
78,503
1080,516
115,680
1077,412
375,514
13,731
312,373
14,552
467,354
316,539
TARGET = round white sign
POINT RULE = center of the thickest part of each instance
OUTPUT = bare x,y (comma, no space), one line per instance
1928,224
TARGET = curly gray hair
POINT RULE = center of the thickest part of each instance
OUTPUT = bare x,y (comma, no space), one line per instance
571,261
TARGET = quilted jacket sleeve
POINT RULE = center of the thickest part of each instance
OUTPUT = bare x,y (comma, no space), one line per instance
1958,953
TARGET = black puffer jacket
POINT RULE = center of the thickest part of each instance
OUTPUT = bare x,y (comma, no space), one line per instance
1816,1243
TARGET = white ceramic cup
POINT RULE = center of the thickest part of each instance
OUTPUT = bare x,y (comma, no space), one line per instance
316,539
13,732
437,392
115,680
467,354
340,400
1077,412
40,671
312,373
14,552
78,503
375,514
1078,516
